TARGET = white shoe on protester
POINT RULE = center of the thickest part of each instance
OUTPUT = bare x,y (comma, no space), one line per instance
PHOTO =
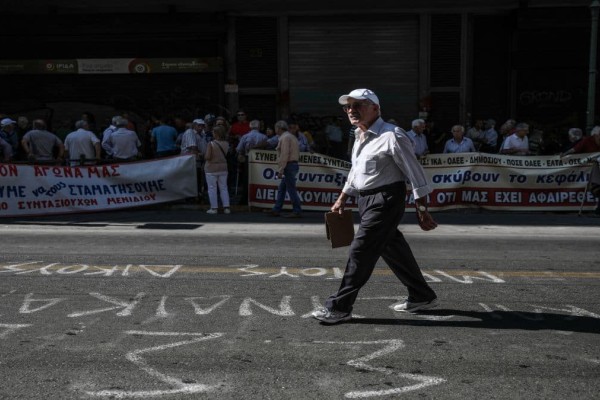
330,317
412,306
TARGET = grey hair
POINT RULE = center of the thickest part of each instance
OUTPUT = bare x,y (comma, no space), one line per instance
462,128
38,124
417,122
521,125
81,124
595,131
281,125
575,133
254,124
120,121
114,119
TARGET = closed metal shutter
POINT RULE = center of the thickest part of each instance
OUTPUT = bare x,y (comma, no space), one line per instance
445,50
330,56
445,73
256,52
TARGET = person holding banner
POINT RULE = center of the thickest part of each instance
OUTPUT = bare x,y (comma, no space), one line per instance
383,160
590,144
517,144
459,143
82,147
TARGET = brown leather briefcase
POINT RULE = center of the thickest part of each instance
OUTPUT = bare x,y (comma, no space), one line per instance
339,228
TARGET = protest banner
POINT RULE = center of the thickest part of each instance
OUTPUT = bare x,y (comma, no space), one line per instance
467,180
43,189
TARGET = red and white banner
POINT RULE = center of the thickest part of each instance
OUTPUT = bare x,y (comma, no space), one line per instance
43,190
467,180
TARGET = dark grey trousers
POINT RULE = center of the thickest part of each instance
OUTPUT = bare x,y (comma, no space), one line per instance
378,236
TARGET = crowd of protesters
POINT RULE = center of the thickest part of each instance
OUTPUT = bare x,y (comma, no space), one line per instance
25,141
84,143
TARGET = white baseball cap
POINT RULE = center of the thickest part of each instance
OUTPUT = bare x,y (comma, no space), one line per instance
7,121
199,121
360,94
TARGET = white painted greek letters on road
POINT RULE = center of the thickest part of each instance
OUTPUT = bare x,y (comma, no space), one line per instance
29,300
177,385
127,306
206,310
285,309
389,346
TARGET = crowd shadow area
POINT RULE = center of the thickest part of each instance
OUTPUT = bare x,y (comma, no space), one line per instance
180,215
497,320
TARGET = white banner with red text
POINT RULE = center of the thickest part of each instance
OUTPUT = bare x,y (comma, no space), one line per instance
43,189
466,180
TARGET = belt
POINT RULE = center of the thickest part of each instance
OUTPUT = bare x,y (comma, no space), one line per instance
392,187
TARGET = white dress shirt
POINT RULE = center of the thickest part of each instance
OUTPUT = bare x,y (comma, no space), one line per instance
386,156
515,142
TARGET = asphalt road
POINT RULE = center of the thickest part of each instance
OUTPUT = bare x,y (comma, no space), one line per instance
177,304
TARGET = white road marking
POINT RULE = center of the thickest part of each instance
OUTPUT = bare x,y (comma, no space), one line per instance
178,386
206,310
29,300
127,306
285,308
11,328
390,346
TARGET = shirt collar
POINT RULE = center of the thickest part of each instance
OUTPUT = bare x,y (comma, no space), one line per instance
376,128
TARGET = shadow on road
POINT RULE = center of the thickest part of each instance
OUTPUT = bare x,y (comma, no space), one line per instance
182,215
510,320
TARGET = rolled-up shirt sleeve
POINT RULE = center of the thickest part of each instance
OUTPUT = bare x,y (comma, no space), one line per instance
403,153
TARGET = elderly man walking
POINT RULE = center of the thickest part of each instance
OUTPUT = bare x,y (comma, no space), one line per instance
383,160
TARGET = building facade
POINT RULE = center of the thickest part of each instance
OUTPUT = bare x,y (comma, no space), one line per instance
450,62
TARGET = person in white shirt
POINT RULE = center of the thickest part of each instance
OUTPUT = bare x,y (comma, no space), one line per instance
82,146
459,143
517,144
382,161
192,141
418,137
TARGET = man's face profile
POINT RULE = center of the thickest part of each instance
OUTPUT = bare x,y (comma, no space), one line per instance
361,112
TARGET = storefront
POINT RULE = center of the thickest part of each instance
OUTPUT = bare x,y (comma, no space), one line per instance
524,60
